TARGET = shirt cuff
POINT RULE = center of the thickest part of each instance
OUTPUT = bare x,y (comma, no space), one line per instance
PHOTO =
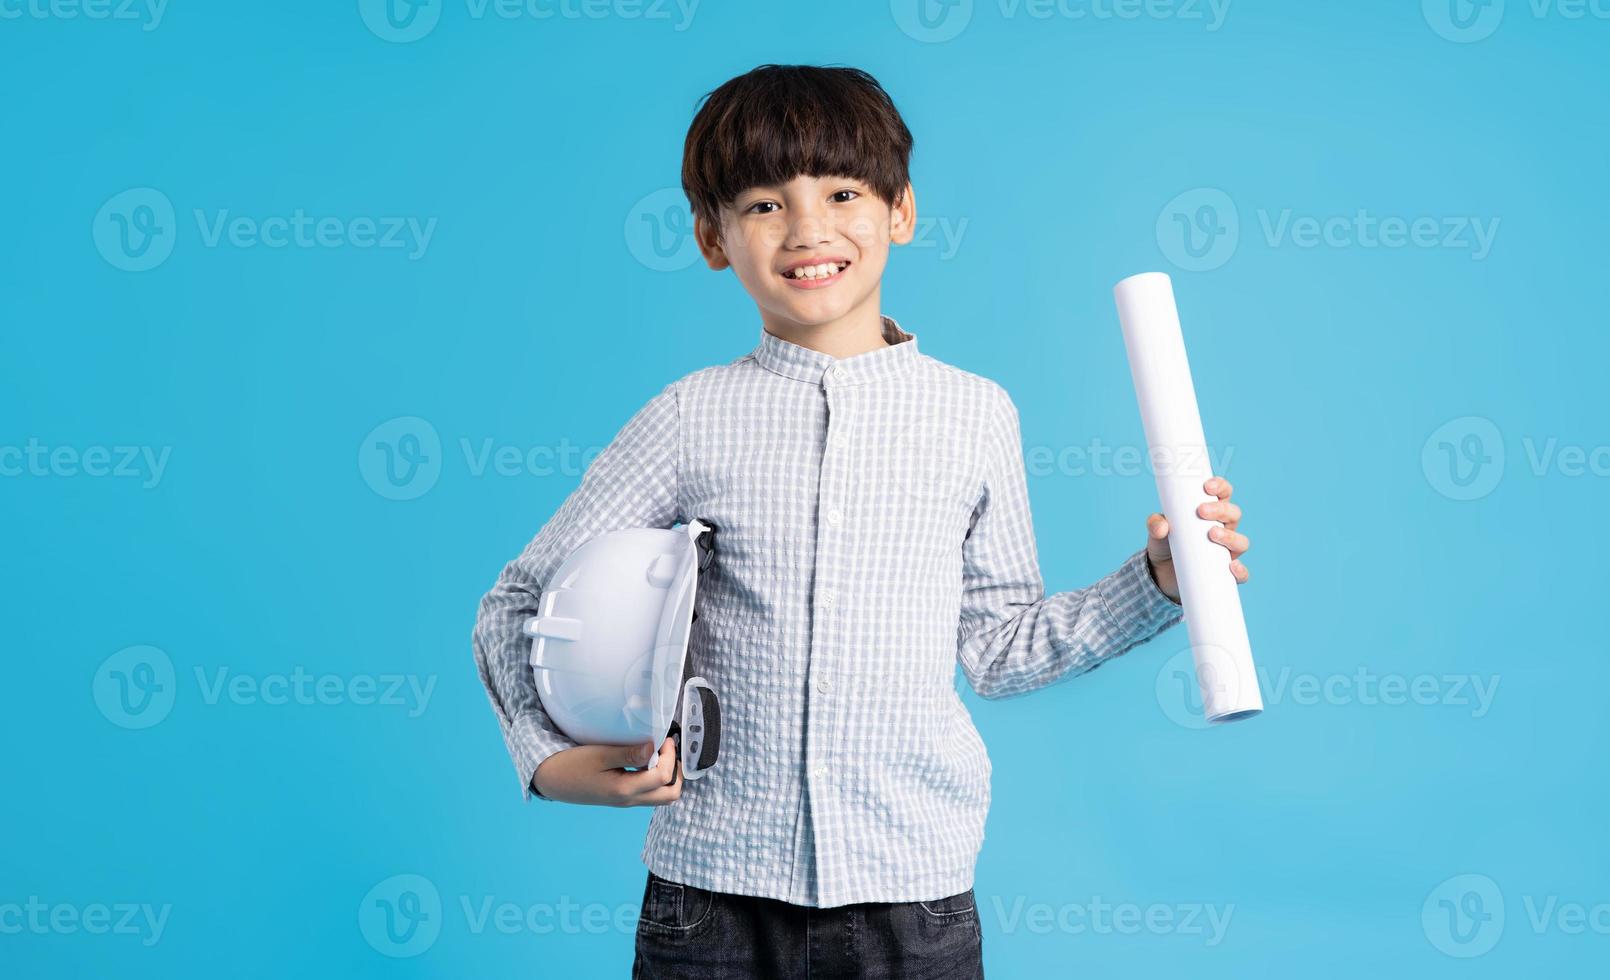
1135,602
532,742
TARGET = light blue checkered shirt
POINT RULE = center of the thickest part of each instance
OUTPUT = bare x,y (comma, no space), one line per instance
874,532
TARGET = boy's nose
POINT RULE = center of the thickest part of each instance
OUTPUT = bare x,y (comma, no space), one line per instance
809,230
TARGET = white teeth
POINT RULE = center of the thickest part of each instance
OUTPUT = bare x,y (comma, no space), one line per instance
815,271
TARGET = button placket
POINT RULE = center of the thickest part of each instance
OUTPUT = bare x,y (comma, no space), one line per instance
823,710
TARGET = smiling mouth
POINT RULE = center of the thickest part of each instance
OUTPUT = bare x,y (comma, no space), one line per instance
816,275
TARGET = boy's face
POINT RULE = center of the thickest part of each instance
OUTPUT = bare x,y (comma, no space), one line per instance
769,230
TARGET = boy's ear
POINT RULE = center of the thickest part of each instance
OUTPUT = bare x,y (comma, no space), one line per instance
709,238
903,217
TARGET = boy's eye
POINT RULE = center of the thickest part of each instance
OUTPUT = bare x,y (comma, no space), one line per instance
835,197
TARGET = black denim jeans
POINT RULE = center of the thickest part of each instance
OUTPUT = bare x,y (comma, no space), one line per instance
685,931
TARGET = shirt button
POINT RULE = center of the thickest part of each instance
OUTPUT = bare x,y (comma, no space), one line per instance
837,373
828,598
839,441
824,685
835,517
820,772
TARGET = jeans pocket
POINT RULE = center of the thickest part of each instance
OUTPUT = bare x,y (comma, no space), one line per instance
940,937
951,908
673,908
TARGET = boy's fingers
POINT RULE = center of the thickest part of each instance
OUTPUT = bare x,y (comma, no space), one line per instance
1222,510
665,765
658,775
663,783
1237,543
661,796
633,786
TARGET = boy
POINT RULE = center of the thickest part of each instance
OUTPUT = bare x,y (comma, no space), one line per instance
874,532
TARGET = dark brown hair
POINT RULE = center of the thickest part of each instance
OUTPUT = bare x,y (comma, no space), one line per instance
778,122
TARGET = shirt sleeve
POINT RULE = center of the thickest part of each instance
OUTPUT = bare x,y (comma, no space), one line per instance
1012,638
631,483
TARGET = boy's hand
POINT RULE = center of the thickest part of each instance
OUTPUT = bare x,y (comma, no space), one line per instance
1221,510
597,774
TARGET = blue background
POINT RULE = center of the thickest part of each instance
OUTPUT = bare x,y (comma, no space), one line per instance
1055,151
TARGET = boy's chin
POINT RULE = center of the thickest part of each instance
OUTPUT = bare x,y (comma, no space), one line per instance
810,314
810,306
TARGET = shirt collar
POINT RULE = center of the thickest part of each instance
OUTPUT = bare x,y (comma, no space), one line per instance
805,364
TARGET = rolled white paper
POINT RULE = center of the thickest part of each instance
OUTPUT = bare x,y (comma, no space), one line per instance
1178,451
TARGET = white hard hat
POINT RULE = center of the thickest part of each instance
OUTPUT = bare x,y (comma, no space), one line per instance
609,645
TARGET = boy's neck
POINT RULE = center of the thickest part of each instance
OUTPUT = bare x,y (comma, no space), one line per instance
857,332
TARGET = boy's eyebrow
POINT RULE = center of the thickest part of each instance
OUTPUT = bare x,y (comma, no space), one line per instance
831,178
